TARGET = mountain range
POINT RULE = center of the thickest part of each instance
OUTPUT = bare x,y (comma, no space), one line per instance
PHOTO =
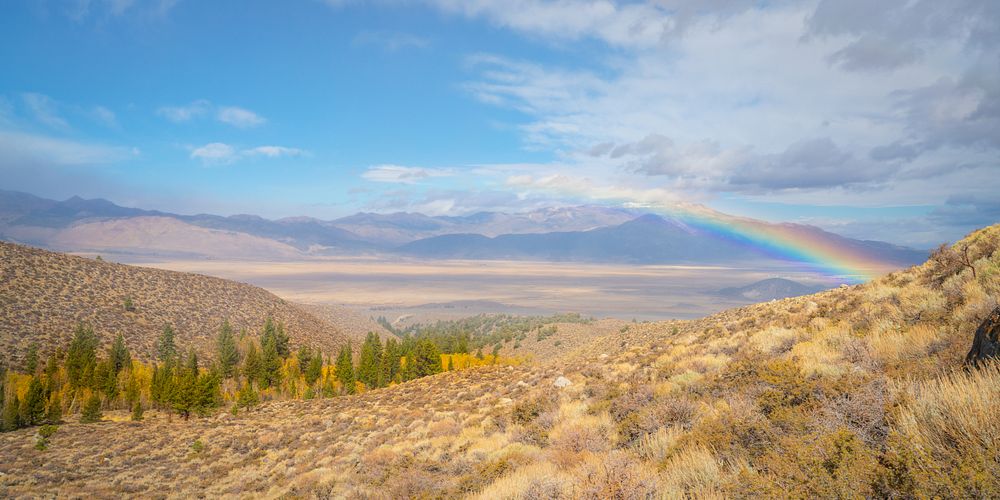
576,234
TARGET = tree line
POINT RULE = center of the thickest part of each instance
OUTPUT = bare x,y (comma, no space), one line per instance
244,370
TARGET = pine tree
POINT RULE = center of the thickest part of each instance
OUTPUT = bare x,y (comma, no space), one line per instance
303,357
247,398
192,363
137,411
270,369
275,333
81,356
91,410
186,394
120,358
53,414
11,414
105,379
451,363
389,364
52,366
165,346
33,405
426,358
368,361
229,354
315,369
345,369
31,361
479,353
252,365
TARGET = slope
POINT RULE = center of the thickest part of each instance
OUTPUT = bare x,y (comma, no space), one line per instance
44,295
853,392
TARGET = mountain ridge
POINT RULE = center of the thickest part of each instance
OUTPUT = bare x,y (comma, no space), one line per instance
584,233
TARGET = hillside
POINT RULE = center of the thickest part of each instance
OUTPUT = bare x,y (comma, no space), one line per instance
44,295
769,289
853,392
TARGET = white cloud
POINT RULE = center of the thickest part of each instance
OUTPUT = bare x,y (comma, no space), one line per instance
273,151
402,175
230,115
215,153
179,114
44,110
105,116
239,117
219,153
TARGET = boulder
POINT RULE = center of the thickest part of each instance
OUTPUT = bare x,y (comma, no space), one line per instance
986,344
562,382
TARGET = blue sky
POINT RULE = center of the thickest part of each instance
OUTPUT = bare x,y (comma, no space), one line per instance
882,126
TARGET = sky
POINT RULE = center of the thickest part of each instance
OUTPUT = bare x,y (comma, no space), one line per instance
876,120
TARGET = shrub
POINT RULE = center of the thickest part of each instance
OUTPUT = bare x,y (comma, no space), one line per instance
834,465
945,440
91,410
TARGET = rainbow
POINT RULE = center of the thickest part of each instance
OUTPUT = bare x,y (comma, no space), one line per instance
817,249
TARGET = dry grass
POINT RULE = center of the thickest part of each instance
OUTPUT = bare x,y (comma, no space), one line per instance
854,392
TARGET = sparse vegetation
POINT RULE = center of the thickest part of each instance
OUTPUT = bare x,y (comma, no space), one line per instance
854,392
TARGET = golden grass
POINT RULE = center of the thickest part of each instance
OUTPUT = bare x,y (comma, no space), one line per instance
853,392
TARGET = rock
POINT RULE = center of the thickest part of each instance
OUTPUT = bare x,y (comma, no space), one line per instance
505,401
562,382
521,383
986,343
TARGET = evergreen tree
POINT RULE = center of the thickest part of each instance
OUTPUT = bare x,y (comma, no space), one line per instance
165,346
192,363
479,353
368,361
81,356
186,395
105,379
137,411
304,356
426,358
52,366
252,365
281,341
33,406
275,333
162,387
53,414
451,363
91,410
120,358
270,366
389,364
345,369
247,397
229,354
31,360
11,414
315,369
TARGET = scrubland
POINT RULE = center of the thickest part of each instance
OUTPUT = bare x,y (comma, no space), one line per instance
854,392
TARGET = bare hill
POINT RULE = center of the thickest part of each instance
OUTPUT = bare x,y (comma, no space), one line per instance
44,295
